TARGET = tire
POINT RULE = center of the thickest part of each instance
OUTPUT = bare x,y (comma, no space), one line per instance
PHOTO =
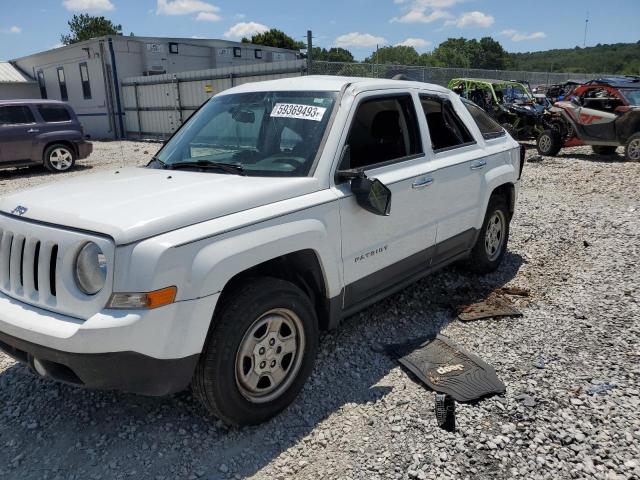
59,158
484,259
511,130
632,148
229,381
549,143
604,149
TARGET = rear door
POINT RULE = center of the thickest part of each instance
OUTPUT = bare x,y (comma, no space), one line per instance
459,164
17,133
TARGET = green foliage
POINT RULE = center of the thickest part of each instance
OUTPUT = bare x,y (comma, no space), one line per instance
83,27
618,58
334,54
275,38
399,55
462,53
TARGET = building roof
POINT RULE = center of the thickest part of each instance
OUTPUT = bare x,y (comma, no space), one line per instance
10,74
324,83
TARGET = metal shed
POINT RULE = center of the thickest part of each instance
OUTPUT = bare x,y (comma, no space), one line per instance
16,85
88,74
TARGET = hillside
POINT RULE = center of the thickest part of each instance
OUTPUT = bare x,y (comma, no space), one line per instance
622,58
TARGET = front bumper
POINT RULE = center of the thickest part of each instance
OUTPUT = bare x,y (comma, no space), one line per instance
126,371
84,149
152,352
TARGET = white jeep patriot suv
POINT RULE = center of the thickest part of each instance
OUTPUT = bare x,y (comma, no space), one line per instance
278,209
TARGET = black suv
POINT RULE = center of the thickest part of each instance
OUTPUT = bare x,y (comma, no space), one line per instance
44,132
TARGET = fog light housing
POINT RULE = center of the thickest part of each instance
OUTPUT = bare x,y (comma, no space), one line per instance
143,300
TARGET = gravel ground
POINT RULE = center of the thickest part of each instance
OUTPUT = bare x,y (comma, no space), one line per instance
574,245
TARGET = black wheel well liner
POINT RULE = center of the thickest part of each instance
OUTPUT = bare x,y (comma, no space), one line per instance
508,192
302,268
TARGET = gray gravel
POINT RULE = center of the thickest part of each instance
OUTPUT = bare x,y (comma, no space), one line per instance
571,366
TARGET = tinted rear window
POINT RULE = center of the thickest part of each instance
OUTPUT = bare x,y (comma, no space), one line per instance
15,114
54,113
487,125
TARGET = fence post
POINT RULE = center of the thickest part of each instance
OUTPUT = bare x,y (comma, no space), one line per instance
135,90
309,52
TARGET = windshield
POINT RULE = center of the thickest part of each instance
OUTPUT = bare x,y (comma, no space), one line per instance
632,95
261,133
513,93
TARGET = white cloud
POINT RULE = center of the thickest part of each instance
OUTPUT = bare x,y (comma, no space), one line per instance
472,19
13,29
245,29
184,7
359,40
88,5
517,36
208,17
414,42
421,15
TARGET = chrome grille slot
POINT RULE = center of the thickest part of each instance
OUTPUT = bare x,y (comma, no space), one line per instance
53,263
5,259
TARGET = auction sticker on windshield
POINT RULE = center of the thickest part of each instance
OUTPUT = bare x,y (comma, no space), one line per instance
302,112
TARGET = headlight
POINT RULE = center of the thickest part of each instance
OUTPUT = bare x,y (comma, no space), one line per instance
91,269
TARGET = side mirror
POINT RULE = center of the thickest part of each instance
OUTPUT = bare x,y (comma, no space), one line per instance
371,194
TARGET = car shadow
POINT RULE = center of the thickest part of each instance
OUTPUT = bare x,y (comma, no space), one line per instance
73,431
35,171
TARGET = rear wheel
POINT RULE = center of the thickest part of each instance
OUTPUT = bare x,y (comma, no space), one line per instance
491,244
259,354
604,149
549,143
59,158
632,148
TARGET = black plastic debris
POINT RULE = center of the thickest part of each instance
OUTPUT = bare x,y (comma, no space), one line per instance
446,368
446,412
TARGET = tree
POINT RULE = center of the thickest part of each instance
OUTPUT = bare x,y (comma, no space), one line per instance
84,26
399,55
463,53
493,55
334,54
274,38
453,52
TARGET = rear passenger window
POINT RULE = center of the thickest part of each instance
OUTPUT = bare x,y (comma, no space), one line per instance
383,130
15,115
487,125
446,129
54,113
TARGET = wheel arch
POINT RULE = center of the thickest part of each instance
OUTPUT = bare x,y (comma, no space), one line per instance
508,192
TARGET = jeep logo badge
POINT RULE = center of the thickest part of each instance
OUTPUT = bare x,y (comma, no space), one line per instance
19,210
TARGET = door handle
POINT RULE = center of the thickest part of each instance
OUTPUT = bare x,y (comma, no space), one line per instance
478,164
33,130
423,182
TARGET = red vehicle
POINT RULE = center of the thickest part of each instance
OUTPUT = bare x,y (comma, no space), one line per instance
604,113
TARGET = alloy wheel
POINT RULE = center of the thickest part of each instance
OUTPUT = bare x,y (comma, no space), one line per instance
494,235
61,159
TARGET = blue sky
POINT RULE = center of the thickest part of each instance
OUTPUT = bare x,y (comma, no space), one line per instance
28,26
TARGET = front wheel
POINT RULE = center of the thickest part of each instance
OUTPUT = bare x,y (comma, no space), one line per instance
632,148
59,158
491,244
260,351
549,143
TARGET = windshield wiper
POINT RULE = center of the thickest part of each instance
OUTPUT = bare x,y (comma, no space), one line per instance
208,164
155,159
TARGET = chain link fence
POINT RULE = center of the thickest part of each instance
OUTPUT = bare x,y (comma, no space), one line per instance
442,76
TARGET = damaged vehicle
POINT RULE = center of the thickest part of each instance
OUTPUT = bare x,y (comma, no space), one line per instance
510,103
278,209
603,113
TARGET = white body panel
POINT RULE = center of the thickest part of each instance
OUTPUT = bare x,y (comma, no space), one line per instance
198,230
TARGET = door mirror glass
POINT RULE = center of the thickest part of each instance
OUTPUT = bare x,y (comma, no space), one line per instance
372,195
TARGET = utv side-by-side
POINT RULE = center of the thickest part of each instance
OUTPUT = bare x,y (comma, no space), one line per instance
508,102
604,113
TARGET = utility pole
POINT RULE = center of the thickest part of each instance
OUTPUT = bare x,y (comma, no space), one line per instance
309,52
586,26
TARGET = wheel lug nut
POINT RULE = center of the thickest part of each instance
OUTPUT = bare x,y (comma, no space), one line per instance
261,351
273,363
279,349
272,342
263,364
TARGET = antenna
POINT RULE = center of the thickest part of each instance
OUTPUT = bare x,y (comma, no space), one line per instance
586,26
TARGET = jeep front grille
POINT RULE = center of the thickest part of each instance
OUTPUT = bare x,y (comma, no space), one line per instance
28,267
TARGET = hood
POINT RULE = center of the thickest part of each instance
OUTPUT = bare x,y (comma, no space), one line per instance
136,203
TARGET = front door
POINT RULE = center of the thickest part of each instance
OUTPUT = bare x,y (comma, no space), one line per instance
597,114
16,133
378,252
